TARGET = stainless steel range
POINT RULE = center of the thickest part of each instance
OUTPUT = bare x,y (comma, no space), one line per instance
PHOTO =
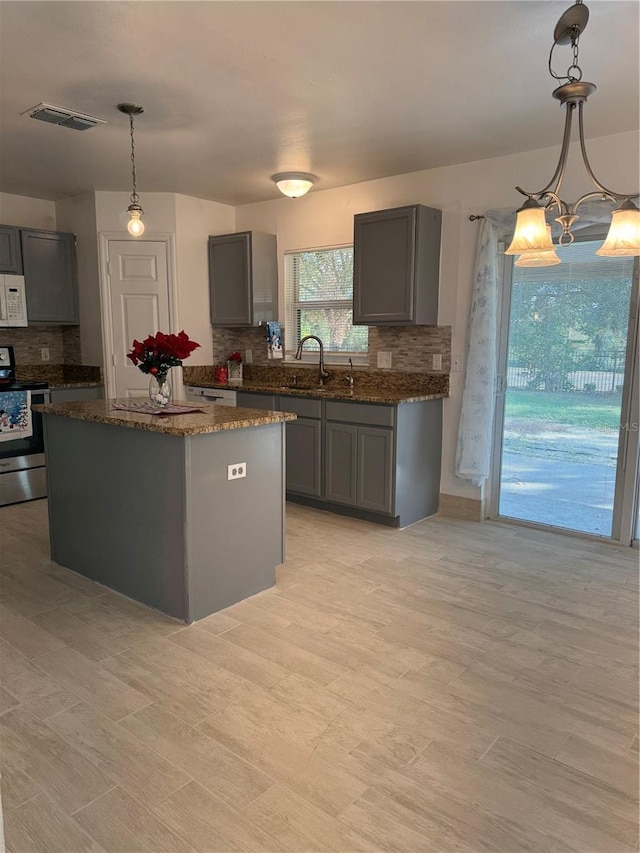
22,466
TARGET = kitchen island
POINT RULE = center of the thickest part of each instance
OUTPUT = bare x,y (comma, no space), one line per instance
144,505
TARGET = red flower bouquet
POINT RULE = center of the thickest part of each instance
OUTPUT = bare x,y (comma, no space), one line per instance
235,356
159,352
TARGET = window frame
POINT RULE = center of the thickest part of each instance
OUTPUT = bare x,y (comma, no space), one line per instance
292,306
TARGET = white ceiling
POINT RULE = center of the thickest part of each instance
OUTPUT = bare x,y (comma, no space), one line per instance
235,91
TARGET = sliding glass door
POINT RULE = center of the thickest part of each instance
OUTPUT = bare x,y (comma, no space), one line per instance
564,433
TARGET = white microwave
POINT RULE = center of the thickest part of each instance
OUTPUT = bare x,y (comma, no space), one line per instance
13,301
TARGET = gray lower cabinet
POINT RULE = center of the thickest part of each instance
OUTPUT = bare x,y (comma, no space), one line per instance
251,400
359,466
340,463
49,261
372,460
304,457
69,395
374,469
10,254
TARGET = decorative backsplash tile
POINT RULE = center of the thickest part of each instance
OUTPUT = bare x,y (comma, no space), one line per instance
63,343
411,347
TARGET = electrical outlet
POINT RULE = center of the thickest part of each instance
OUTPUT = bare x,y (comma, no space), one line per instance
236,471
456,362
248,356
436,361
44,354
384,360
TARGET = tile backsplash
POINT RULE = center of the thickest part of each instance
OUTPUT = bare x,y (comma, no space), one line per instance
63,343
411,347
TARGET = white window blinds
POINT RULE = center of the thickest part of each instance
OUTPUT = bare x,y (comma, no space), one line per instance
319,300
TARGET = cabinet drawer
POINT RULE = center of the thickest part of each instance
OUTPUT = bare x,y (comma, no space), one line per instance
249,400
360,413
302,406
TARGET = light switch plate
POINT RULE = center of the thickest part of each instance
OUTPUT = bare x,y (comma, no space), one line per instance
436,361
44,354
384,360
248,356
456,362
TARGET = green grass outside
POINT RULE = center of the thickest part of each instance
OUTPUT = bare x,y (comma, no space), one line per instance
592,411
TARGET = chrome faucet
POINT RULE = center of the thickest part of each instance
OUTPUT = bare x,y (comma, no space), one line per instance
349,377
322,374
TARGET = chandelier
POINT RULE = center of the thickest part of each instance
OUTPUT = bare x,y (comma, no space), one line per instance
532,237
135,226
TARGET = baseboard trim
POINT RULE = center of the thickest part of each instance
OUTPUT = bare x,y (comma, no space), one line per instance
455,506
344,509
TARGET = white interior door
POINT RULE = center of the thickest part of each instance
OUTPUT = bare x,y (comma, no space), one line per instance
139,304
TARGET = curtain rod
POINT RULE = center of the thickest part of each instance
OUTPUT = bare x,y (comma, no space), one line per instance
475,216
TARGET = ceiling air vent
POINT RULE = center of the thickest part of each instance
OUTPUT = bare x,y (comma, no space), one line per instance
63,117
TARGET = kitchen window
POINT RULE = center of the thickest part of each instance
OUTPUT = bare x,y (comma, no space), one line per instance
319,301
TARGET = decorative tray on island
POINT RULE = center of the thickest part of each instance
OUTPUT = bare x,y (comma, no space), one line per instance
148,409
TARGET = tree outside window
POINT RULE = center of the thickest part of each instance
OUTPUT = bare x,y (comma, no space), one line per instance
319,300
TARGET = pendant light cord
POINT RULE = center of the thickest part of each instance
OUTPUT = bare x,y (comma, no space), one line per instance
134,195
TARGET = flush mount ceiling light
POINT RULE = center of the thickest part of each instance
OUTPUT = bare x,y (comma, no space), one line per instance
294,184
135,226
532,236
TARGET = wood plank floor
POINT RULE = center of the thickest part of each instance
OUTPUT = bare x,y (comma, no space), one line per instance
452,687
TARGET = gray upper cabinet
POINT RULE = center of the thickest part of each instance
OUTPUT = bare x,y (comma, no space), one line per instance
396,263
243,278
10,254
49,261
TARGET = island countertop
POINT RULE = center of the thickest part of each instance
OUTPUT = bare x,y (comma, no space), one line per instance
211,419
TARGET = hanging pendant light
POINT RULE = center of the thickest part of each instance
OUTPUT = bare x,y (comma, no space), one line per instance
542,258
135,226
530,235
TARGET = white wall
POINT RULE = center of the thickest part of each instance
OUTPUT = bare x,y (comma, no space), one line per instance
27,212
78,215
190,220
325,218
196,219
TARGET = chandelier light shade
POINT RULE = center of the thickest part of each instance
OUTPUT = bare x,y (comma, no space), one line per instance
135,226
623,238
294,184
531,239
542,258
532,233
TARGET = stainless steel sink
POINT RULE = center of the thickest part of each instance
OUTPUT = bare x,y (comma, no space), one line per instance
312,391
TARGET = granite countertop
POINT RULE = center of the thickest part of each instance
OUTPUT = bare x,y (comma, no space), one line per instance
358,395
211,419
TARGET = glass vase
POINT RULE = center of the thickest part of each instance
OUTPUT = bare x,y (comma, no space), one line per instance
159,390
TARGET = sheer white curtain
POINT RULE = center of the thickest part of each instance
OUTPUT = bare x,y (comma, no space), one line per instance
475,429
